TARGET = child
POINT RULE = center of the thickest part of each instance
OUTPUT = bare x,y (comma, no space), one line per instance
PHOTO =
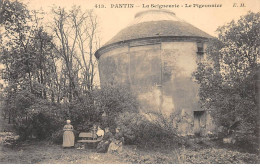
68,135
94,131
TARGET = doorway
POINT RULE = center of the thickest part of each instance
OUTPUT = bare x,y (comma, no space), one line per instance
199,121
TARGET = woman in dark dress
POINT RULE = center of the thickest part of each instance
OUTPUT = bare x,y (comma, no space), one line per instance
104,144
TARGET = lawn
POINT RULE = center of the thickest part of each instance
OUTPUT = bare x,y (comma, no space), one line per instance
43,152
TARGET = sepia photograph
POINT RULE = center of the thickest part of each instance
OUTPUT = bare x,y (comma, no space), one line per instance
129,82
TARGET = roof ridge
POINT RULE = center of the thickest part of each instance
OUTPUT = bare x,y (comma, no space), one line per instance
164,27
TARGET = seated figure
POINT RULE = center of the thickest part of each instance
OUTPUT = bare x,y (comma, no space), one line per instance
116,144
100,133
106,140
94,131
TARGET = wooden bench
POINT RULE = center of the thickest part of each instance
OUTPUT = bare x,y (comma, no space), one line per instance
89,138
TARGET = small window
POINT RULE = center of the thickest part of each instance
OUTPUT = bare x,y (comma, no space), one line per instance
200,48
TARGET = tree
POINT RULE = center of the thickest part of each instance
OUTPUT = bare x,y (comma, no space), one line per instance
26,54
228,79
86,28
75,33
44,74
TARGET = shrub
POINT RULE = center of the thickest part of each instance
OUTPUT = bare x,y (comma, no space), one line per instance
146,133
83,113
129,124
39,120
113,100
39,126
43,125
57,137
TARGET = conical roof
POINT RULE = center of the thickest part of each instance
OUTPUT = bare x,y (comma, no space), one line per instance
155,23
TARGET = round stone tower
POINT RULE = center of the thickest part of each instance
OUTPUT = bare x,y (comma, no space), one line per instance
156,55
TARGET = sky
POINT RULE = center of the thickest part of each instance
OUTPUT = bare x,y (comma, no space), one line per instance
112,20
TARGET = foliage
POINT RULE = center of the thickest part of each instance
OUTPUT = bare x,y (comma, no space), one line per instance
121,108
113,100
32,116
57,137
228,79
39,120
137,129
48,79
83,113
129,124
187,156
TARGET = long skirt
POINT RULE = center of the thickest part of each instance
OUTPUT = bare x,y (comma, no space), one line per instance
68,139
115,146
103,146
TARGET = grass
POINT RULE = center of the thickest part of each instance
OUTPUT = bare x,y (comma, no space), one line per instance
43,152
189,156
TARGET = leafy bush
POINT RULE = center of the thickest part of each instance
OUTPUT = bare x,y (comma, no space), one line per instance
146,133
34,117
57,137
38,125
43,125
129,124
83,112
114,100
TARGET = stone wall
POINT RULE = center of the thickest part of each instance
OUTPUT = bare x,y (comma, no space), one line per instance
161,75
